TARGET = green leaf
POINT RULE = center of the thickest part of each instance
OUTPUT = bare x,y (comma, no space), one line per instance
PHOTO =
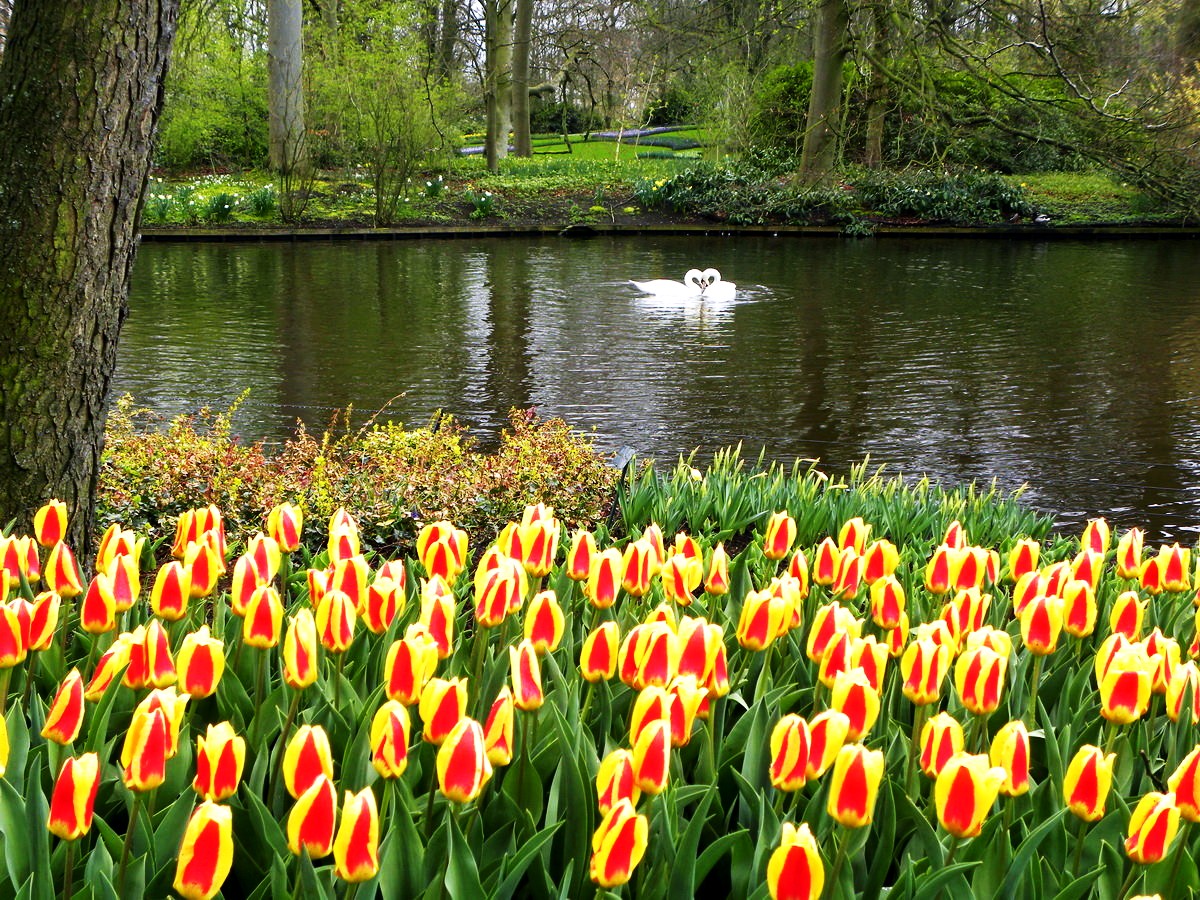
682,885
1025,852
37,813
716,850
930,886
17,839
462,875
168,830
514,866
1080,887
18,748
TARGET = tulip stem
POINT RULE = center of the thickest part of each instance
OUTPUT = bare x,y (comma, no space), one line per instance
1080,833
915,749
258,679
337,683
840,860
1110,736
133,816
478,649
429,801
587,703
5,677
1133,873
69,870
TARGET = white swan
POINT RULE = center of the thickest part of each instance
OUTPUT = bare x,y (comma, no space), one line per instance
714,288
693,285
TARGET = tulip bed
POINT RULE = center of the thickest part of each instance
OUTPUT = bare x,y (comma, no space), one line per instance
803,700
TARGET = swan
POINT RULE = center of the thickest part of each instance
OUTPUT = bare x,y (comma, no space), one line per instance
692,285
714,288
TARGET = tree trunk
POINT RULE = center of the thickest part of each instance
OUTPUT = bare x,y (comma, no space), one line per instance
80,94
498,26
522,26
5,15
448,38
285,91
877,85
819,155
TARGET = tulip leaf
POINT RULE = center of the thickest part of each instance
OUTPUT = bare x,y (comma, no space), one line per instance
37,812
97,733
1025,852
931,885
1081,886
580,800
18,748
754,760
907,812
714,851
99,869
168,830
682,885
400,864
17,838
264,825
462,875
513,867
134,887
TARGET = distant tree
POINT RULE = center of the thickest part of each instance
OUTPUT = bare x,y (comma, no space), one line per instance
497,84
285,85
80,93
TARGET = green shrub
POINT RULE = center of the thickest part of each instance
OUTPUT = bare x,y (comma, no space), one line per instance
262,201
968,197
219,207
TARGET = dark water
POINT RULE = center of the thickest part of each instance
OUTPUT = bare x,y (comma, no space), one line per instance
1073,367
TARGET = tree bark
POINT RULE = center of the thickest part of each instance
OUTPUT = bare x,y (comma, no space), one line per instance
285,90
498,26
80,94
522,27
821,140
878,84
448,38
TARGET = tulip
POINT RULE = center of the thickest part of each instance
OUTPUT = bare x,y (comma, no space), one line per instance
964,793
686,546
698,643
544,622
437,614
979,677
112,663
74,798
790,751
681,576
652,757
171,590
825,562
1079,608
637,567
970,568
618,845
220,759
828,621
343,541
1183,693
356,846
1129,554
1041,624
598,657
65,718
146,750
798,569
499,591
836,659
316,579
125,581
263,624
204,564
827,733
443,705
97,611
410,663
780,534
1174,563
173,705
384,601
604,578
1127,614
1023,558
854,785
888,602
651,704
498,729
652,534
1086,567
206,854
310,824
1010,752
1030,585
1126,686
579,557
855,697
615,780
442,550
43,620
795,870
539,546
1152,827
870,655
300,663
335,621
1184,783
848,580
941,738
880,559
942,569
686,697
1095,536
150,663
717,580
924,666
348,576
62,573
462,762
1087,781
1164,653
526,676
648,655
306,757
897,638
285,523
50,523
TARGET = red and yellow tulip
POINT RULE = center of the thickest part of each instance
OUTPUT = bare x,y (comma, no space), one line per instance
618,845
206,853
356,845
462,762
1087,782
306,758
795,870
220,759
74,798
854,785
965,791
1152,827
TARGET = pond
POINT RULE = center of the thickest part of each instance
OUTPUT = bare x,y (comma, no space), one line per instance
1072,367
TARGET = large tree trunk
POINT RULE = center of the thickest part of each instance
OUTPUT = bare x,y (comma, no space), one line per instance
819,155
878,84
285,90
448,39
80,94
522,26
498,24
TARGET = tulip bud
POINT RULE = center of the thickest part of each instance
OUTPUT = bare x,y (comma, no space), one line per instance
979,677
598,658
1184,783
1152,827
442,706
618,845
604,578
579,558
65,718
1041,624
1183,693
1010,752
264,618
964,793
941,738
498,729
685,697
888,602
649,655
356,847
206,854
62,573
924,666
335,621
717,580
172,588
204,564
112,663
780,534
526,676
220,759
383,602
306,757
854,785
146,750
942,569
1126,686
855,697
310,824
544,622
637,567
285,523
1129,554
462,762
348,576
825,562
615,780
827,732
1087,781
652,757
300,663
790,751
1023,558
74,798
795,870
97,611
